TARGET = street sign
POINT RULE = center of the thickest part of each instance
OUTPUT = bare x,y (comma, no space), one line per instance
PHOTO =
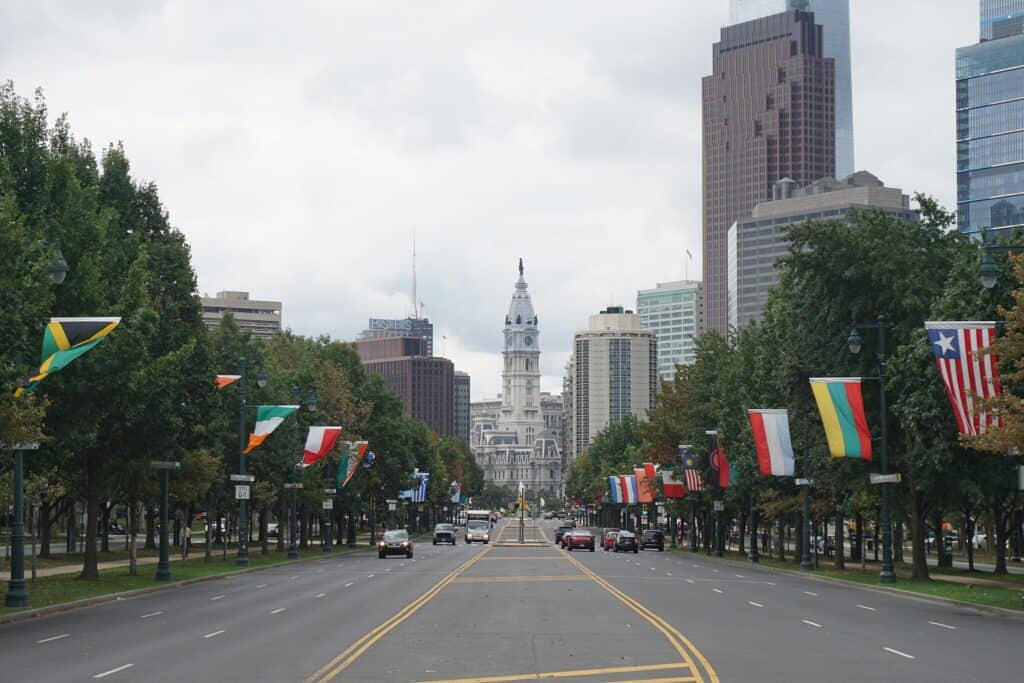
34,446
392,504
243,477
885,478
294,486
804,482
242,492
719,506
165,464
328,503
330,492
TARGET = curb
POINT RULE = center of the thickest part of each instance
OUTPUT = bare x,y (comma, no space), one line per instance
922,597
40,612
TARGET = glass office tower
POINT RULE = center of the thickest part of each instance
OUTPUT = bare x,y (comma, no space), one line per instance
990,122
834,16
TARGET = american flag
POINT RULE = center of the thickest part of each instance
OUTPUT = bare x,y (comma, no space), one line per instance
968,373
694,481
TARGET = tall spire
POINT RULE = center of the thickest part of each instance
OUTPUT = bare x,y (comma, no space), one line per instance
520,267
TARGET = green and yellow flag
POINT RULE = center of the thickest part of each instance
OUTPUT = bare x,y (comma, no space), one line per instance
64,340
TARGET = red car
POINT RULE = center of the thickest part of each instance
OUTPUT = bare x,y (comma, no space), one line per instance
581,539
608,537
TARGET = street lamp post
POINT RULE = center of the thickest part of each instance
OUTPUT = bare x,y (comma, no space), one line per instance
805,527
293,546
855,342
754,555
328,531
242,558
163,567
693,525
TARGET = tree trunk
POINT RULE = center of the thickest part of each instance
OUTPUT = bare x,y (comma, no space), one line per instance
840,541
743,532
132,530
1000,520
282,524
920,568
45,510
303,527
264,532
857,551
940,545
105,531
798,545
150,528
782,537
90,568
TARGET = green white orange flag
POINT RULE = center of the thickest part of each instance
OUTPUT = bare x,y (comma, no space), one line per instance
64,340
350,459
225,380
268,418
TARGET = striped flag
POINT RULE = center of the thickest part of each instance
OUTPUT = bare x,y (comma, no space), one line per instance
722,475
64,340
968,371
268,418
673,487
349,462
771,439
841,405
694,480
319,443
225,380
418,493
614,490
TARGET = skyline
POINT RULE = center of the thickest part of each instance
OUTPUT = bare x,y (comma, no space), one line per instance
297,150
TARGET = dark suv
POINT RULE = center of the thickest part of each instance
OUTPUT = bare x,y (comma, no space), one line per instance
395,542
624,542
653,538
444,533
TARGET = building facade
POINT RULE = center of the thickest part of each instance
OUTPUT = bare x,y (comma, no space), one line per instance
461,406
426,384
757,242
382,328
768,113
510,437
615,372
262,319
672,311
834,17
990,122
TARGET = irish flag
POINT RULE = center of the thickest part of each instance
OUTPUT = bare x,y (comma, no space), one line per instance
319,443
771,439
268,418
673,487
841,405
354,452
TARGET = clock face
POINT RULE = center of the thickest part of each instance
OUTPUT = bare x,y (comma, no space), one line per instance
528,340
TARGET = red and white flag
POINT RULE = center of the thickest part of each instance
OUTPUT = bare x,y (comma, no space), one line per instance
319,443
771,439
968,371
673,487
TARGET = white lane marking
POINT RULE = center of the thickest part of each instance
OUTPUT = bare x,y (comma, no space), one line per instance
755,604
402,565
769,583
668,573
262,585
811,623
813,595
717,590
319,571
216,597
897,652
215,633
348,584
696,566
321,595
388,569
933,623
652,569
870,609
47,640
151,614
715,570
689,581
279,610
113,671
294,577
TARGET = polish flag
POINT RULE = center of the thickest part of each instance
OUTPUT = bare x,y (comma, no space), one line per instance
771,439
319,443
673,487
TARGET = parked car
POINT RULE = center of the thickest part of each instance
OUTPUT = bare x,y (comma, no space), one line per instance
653,538
580,539
560,532
608,537
444,533
273,529
395,542
625,541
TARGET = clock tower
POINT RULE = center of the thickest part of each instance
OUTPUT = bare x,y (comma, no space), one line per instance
520,397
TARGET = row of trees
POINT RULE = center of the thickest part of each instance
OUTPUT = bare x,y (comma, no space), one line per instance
836,274
147,393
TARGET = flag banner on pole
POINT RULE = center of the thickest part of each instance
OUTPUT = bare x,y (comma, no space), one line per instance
319,443
614,489
456,492
64,340
841,404
968,371
268,418
225,380
418,493
645,483
771,439
673,487
350,460
694,480
369,459
721,472
630,495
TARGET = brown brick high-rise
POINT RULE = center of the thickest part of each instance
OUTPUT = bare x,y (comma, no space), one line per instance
768,114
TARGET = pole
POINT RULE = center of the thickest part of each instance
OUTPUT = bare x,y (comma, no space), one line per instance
163,567
887,574
693,525
805,531
753,555
242,558
17,595
293,547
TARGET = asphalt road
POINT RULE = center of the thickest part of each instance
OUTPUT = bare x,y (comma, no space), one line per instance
490,614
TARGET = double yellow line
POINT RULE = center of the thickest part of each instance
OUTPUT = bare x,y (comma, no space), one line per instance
334,667
680,642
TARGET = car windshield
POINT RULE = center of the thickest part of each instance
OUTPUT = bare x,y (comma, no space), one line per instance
652,533
396,535
443,527
477,525
625,534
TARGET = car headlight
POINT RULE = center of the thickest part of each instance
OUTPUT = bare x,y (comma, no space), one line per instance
405,543
486,536
381,544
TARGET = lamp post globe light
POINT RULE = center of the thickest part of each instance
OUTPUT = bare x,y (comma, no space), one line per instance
855,343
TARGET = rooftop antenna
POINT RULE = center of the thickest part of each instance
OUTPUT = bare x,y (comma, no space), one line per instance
415,300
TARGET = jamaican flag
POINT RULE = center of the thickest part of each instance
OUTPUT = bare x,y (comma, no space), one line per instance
64,340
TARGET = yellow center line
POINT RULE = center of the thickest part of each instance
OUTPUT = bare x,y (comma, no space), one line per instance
352,652
522,578
509,558
575,673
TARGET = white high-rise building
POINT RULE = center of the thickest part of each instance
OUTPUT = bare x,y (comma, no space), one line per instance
673,312
515,445
834,16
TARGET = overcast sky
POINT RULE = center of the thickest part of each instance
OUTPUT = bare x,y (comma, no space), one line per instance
297,144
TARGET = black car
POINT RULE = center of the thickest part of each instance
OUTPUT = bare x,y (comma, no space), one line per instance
444,533
653,538
395,542
625,542
561,532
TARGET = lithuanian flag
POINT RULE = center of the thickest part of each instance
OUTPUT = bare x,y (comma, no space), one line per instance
841,405
64,340
268,418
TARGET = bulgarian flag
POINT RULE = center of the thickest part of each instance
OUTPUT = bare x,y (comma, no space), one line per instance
319,443
268,418
349,463
225,380
64,340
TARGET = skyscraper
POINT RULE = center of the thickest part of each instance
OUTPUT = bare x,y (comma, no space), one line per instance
461,406
672,311
382,328
834,17
768,114
990,121
260,318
